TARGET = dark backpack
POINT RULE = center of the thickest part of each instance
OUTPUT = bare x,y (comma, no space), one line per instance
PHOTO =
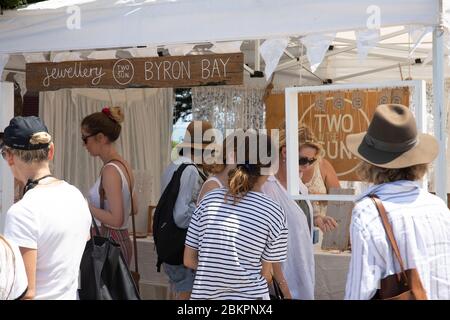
168,237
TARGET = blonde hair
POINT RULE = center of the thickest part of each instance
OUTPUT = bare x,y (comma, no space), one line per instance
240,182
39,155
377,175
117,114
306,138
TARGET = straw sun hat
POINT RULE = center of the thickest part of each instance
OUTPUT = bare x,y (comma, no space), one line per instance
195,137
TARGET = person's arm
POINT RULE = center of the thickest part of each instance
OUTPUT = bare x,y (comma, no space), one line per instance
207,187
277,242
190,258
278,275
29,257
329,175
363,276
192,242
185,204
266,270
325,223
112,184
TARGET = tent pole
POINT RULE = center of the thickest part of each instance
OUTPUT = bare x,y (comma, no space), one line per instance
257,56
288,64
362,73
439,110
393,47
6,177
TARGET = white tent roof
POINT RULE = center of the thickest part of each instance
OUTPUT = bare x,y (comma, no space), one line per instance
128,23
48,27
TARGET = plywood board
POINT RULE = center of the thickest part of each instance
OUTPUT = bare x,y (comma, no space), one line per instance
153,72
332,116
341,211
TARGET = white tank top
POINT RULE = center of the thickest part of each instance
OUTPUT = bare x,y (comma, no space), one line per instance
317,186
94,197
212,178
216,180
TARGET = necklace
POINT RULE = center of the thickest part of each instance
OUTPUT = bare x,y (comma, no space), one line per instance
33,183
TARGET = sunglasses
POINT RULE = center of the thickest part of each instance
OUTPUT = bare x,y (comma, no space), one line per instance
85,138
4,153
305,160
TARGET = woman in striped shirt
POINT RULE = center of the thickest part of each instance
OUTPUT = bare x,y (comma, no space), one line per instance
236,233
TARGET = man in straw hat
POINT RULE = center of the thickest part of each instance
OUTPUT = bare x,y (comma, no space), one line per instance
394,157
190,150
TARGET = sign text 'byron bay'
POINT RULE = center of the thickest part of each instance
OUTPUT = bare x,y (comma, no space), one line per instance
155,72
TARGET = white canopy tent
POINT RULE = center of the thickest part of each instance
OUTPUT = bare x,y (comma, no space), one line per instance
68,25
51,26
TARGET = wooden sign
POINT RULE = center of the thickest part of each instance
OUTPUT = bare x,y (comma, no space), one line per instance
332,116
341,211
157,72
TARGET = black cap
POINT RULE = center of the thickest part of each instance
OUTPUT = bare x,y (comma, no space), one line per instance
20,130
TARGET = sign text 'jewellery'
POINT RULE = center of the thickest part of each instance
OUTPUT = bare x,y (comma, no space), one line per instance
155,72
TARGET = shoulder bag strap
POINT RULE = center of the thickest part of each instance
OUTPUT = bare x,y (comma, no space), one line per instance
186,164
133,223
390,234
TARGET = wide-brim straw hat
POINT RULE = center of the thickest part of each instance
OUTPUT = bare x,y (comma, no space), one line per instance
392,141
197,137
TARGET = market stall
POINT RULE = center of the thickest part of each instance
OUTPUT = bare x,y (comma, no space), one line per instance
57,45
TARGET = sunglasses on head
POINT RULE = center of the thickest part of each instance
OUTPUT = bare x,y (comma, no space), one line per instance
85,138
305,160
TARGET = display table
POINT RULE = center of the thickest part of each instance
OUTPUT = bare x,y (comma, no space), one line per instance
331,273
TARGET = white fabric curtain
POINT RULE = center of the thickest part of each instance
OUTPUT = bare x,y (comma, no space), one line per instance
229,107
144,141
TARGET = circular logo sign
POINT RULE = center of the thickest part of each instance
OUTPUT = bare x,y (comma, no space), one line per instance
331,127
123,71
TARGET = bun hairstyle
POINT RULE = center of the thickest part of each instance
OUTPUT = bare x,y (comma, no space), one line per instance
107,122
243,178
41,138
305,138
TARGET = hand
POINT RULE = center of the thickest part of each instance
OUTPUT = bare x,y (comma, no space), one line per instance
325,224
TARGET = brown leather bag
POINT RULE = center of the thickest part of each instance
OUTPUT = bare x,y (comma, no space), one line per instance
405,285
135,274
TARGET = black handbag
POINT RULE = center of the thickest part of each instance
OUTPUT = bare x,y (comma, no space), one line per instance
104,274
276,293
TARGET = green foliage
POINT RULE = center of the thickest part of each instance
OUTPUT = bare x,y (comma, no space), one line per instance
11,4
183,104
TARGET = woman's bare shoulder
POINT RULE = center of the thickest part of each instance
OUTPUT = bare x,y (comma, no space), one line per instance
326,166
210,185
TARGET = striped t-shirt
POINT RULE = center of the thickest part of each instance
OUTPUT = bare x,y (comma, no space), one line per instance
231,240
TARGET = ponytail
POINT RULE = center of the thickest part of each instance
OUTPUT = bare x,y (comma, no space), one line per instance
241,180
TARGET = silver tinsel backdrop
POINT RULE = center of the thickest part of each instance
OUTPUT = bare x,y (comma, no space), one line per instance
229,107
